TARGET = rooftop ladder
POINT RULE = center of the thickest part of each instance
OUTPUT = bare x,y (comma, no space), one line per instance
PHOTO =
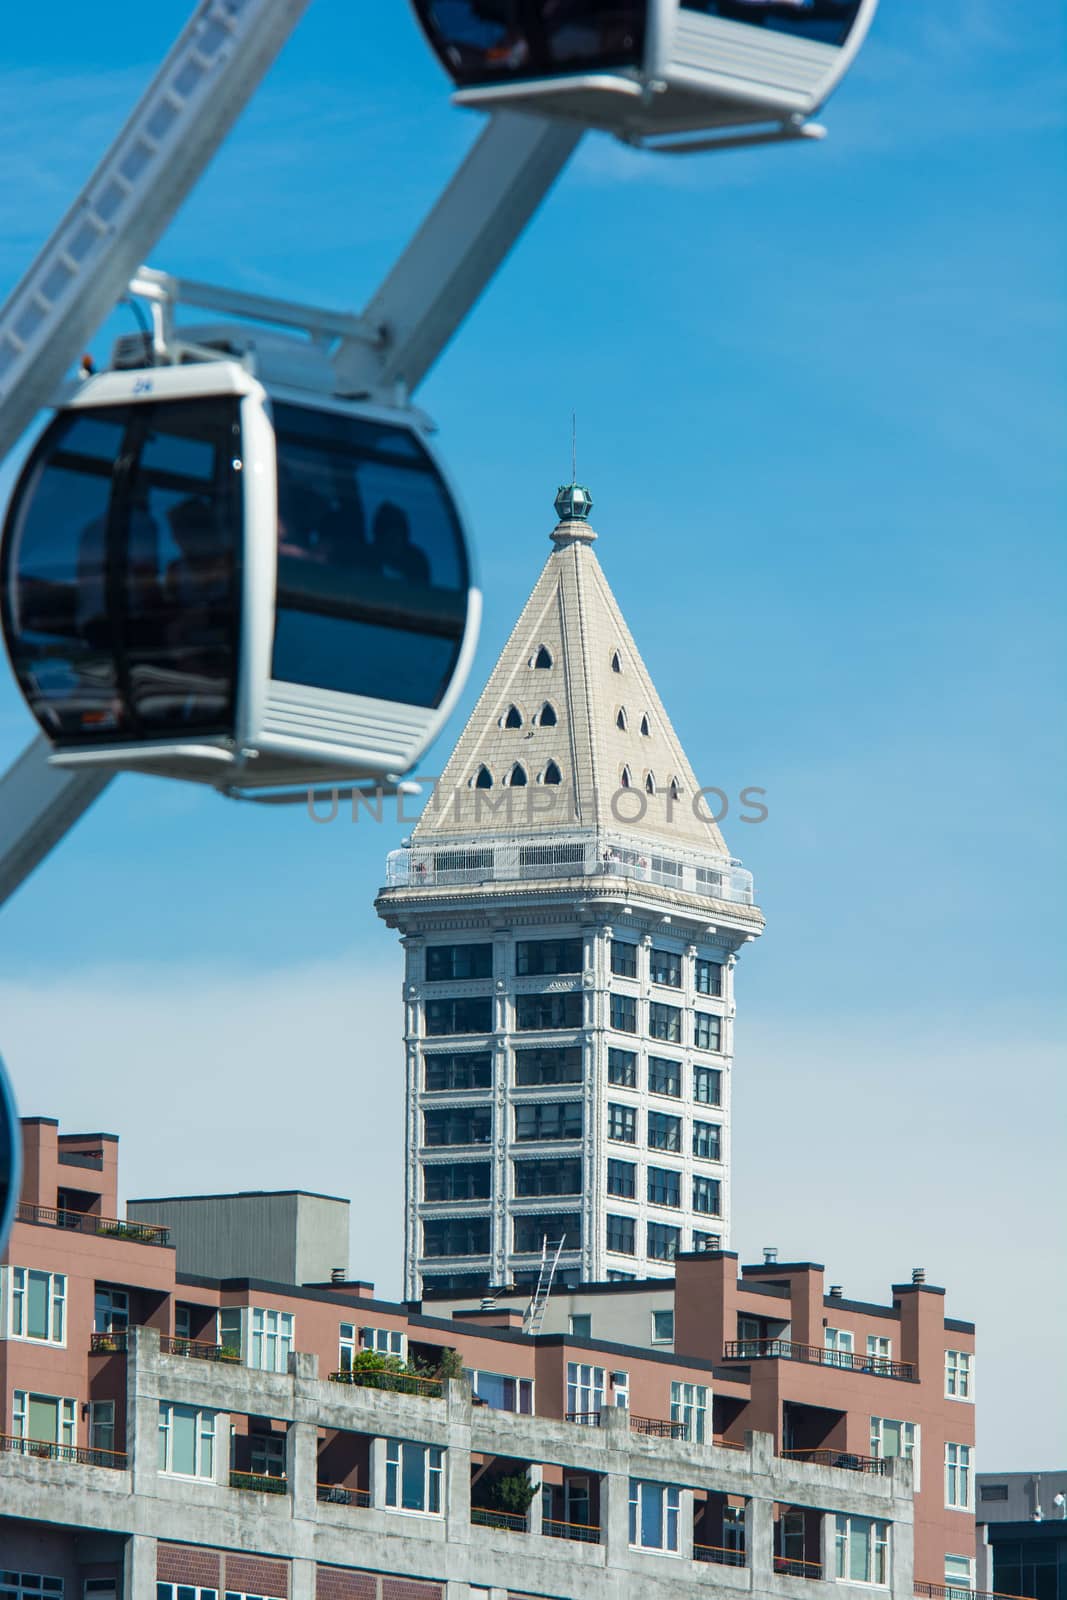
535,1311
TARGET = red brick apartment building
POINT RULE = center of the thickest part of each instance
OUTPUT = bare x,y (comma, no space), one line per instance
170,1435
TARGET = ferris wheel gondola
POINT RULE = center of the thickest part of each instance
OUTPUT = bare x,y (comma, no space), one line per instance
208,578
648,70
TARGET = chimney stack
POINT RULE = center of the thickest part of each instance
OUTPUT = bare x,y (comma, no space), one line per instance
770,1254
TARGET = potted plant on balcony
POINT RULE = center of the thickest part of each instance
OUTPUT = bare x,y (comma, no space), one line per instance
229,1352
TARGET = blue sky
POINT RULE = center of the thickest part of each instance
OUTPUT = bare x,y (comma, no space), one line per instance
820,406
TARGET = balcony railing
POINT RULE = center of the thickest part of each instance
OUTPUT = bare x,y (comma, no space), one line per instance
580,1532
47,1450
509,1521
719,1554
336,1494
955,1591
847,1460
391,1382
259,1482
790,1567
584,1419
816,1355
656,1428
85,1222
517,859
199,1350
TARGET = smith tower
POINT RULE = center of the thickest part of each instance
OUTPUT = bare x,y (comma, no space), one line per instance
571,919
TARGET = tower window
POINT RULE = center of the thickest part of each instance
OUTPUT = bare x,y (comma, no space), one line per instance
620,719
483,779
616,664
645,729
513,719
542,658
517,776
552,774
675,789
547,718
650,783
625,781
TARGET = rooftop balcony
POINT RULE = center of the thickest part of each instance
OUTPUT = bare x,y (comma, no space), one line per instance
47,1450
521,860
86,1222
816,1355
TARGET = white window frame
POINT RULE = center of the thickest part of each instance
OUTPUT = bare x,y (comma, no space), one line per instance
842,1341
384,1341
959,1376
199,1594
34,1586
432,1478
585,1388
118,1305
524,1390
877,1547
620,1389
910,1441
271,1336
55,1304
657,1336
347,1345
959,1460
67,1418
102,1418
953,1582
689,1406
879,1352
670,1516
205,1433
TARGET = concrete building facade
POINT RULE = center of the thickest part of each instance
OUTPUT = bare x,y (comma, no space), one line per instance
571,921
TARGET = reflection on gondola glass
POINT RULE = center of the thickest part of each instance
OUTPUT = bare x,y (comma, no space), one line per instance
120,559
822,21
372,575
485,41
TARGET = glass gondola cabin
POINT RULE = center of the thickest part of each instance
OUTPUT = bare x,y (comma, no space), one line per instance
642,68
208,580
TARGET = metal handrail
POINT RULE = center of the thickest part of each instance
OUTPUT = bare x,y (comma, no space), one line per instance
390,1382
845,1459
588,1419
86,1222
198,1349
510,1521
260,1482
791,1567
109,1344
726,1444
720,1554
580,1532
48,1449
337,1494
957,1591
816,1355
656,1427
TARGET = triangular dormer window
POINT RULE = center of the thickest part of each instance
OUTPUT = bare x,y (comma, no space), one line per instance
620,719
650,783
548,718
483,779
645,729
512,718
625,780
542,658
517,776
616,664
552,774
676,789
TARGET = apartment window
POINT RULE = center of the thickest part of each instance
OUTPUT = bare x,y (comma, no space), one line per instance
581,1325
532,1231
455,1236
706,1241
624,1013
665,966
266,1455
662,1241
445,961
384,1341
186,1441
500,1392
959,1576
471,1070
622,1124
458,1125
548,1177
893,1438
272,1339
101,1426
622,1068
615,1276
707,1140
472,1014
662,1327
664,1187
49,1417
707,1086
535,1068
184,1591
958,1488
183,1322
231,1330
664,1077
707,1196
879,1352
862,1550
664,1132
549,1119
993,1491
585,1390
534,1011
622,1239
841,1343
653,1516
535,958
707,1031
111,1309
413,1476
665,1022
709,977
456,1180
689,1406
38,1305
623,959
348,1345
622,1179
958,1385
32,1586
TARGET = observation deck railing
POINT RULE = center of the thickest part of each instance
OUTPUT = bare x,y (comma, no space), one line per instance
86,1222
390,1382
719,1554
793,1567
47,1449
847,1460
815,1355
580,1532
518,860
508,1521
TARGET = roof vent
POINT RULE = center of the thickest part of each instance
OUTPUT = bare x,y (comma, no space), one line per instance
488,1303
770,1254
338,1274
918,1274
836,1291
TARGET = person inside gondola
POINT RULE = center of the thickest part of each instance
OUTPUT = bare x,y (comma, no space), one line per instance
392,552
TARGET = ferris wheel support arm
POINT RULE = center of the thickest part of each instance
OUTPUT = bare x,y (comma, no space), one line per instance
213,69
456,252
39,804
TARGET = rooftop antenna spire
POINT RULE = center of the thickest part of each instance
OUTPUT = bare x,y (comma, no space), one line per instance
574,449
